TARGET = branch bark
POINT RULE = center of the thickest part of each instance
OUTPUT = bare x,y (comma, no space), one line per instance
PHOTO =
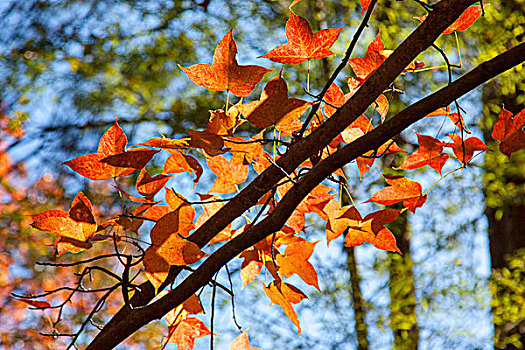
127,321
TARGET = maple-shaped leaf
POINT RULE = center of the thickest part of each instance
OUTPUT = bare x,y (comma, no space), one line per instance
246,151
274,106
179,162
364,5
74,228
224,123
111,149
467,18
295,260
370,229
210,205
212,144
509,131
363,67
191,306
229,174
401,189
173,251
464,149
255,258
302,43
149,186
241,342
225,73
284,294
185,333
429,153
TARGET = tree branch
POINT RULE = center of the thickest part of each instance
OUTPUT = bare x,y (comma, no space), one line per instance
127,321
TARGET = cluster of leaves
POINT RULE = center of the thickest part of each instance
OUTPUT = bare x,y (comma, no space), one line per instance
231,158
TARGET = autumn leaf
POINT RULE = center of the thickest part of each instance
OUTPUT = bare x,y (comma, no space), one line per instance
149,186
508,130
35,303
295,260
185,333
363,67
172,251
274,106
179,162
464,150
302,43
222,123
429,153
212,144
210,205
229,174
225,73
371,229
401,189
364,5
112,159
74,228
241,342
467,18
191,306
284,294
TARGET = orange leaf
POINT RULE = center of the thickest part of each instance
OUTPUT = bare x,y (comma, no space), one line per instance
295,260
228,174
509,131
212,144
111,148
464,150
185,333
370,229
400,189
225,73
222,123
179,162
241,342
284,294
36,303
191,306
74,228
208,209
302,43
429,153
149,186
363,67
274,106
467,18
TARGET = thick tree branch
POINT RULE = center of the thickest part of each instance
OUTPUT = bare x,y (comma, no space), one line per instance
126,321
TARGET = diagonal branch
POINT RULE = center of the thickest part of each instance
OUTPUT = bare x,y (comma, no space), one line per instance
445,13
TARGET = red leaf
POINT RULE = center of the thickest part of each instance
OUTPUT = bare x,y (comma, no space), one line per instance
429,153
302,43
509,131
225,73
274,106
111,149
467,18
74,228
36,303
400,189
464,150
